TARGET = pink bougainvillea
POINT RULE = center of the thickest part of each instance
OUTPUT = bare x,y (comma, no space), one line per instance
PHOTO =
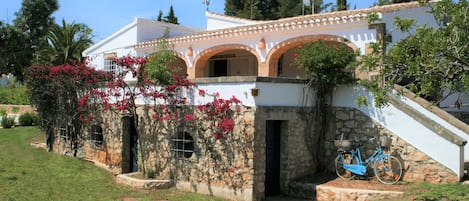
218,112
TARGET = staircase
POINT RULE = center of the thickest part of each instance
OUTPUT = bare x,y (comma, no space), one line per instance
426,127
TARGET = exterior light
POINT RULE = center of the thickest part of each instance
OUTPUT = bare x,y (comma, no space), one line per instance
255,92
261,44
189,52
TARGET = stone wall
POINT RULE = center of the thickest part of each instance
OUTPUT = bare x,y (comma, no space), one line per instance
109,152
17,109
295,154
418,166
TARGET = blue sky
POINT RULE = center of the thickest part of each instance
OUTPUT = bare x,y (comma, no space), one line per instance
107,16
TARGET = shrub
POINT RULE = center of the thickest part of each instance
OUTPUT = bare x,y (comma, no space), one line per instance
14,94
7,122
28,119
3,112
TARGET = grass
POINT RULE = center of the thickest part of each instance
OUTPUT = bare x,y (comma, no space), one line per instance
28,173
440,192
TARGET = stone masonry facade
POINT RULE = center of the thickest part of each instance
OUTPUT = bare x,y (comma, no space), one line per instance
234,167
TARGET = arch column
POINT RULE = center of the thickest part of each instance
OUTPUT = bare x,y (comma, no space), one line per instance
267,69
191,72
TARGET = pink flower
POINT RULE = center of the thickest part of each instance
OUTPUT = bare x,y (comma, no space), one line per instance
83,100
171,88
226,125
217,135
202,92
189,117
235,100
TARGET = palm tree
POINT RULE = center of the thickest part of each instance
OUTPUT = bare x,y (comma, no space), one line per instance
65,44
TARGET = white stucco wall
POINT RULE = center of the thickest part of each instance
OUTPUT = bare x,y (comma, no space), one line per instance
217,21
420,15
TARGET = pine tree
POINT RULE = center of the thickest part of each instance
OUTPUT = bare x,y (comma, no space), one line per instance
160,16
171,17
289,8
271,9
342,5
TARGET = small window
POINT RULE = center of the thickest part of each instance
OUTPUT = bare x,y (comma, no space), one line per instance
110,65
183,145
96,135
63,133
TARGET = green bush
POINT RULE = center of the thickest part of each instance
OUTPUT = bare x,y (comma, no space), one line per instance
14,94
7,122
3,112
28,119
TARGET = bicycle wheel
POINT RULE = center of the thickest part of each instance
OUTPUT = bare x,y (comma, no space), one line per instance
388,170
340,160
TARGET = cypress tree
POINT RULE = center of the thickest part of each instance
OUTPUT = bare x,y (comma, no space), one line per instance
171,17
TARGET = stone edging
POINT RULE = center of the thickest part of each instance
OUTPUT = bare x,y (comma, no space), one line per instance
330,193
148,184
436,110
429,123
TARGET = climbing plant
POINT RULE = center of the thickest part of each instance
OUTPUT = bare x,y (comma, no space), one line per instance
158,106
327,65
55,92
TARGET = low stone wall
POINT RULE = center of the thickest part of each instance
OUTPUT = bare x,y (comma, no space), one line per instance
17,109
242,194
147,184
329,193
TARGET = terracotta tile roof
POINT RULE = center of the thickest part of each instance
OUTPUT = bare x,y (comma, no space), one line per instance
322,19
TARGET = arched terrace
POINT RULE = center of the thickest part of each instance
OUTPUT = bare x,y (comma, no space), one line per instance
226,60
281,58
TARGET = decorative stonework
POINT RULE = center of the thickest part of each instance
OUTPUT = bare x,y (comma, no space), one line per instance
301,22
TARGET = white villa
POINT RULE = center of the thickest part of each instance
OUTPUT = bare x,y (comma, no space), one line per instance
253,60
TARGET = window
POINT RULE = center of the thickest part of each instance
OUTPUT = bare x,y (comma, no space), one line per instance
62,131
183,145
109,64
96,135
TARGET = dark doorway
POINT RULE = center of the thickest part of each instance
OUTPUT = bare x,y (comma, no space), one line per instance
220,68
130,145
272,158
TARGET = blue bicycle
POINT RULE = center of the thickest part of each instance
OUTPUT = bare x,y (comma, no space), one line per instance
349,163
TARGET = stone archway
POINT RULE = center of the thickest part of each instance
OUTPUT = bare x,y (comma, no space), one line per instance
280,57
226,60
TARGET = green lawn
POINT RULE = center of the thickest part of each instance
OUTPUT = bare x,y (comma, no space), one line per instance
28,173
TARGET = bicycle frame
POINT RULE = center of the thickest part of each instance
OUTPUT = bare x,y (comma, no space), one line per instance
360,168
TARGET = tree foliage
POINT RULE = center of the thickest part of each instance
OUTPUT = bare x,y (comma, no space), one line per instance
271,9
431,62
327,65
387,2
342,5
55,92
64,44
157,68
27,34
170,18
